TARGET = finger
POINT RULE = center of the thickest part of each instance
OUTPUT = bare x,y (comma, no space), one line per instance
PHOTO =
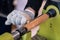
13,19
11,14
18,21
23,20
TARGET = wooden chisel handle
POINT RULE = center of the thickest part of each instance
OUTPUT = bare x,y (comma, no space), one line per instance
36,22
40,19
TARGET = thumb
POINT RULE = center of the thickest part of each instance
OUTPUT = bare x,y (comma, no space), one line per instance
7,22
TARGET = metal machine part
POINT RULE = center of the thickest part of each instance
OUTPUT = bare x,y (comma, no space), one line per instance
51,13
18,33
